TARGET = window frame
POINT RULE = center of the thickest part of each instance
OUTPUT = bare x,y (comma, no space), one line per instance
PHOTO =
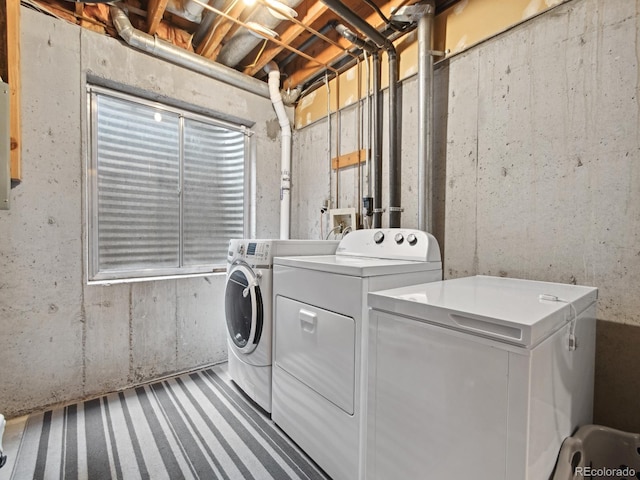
93,274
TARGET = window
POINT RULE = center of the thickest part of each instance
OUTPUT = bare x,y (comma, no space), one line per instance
167,189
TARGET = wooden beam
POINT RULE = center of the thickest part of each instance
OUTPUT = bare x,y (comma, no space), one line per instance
314,12
155,11
212,43
10,73
349,159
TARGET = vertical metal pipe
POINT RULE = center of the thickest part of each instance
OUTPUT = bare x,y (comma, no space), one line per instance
376,147
369,123
425,121
359,126
326,82
338,140
395,165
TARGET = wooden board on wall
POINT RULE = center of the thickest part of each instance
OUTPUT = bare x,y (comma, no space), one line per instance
10,73
348,159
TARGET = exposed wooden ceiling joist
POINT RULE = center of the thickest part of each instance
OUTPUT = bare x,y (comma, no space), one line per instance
306,62
155,12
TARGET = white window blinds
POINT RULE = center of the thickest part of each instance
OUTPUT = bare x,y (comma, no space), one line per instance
168,189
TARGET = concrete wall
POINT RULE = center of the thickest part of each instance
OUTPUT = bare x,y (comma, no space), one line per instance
543,172
61,339
538,171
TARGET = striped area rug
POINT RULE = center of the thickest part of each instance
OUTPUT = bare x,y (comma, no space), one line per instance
196,426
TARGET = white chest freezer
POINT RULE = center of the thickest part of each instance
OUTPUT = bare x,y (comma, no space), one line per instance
478,377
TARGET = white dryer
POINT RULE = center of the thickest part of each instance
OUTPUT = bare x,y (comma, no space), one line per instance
248,309
320,338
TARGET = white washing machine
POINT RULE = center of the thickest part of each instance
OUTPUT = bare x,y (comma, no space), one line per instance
478,377
248,309
320,338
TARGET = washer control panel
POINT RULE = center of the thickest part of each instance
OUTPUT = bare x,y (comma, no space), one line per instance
249,251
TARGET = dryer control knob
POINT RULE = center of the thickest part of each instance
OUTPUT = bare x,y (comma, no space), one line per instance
378,237
412,239
399,238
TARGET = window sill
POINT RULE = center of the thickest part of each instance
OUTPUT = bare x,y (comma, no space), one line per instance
107,283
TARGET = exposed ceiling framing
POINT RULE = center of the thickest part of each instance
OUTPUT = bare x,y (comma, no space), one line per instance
223,28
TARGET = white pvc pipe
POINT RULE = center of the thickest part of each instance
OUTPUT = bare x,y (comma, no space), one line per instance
285,161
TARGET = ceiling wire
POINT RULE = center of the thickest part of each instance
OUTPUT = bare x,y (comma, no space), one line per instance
378,11
255,62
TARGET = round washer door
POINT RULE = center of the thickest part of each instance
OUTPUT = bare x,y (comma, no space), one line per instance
243,308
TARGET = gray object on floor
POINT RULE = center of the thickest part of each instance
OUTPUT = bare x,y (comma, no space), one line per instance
195,426
595,451
3,457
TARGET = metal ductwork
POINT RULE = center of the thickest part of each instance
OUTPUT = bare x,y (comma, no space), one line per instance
208,17
184,58
394,144
290,97
243,42
186,9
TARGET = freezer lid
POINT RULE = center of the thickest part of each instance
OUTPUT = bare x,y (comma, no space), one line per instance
356,266
522,312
